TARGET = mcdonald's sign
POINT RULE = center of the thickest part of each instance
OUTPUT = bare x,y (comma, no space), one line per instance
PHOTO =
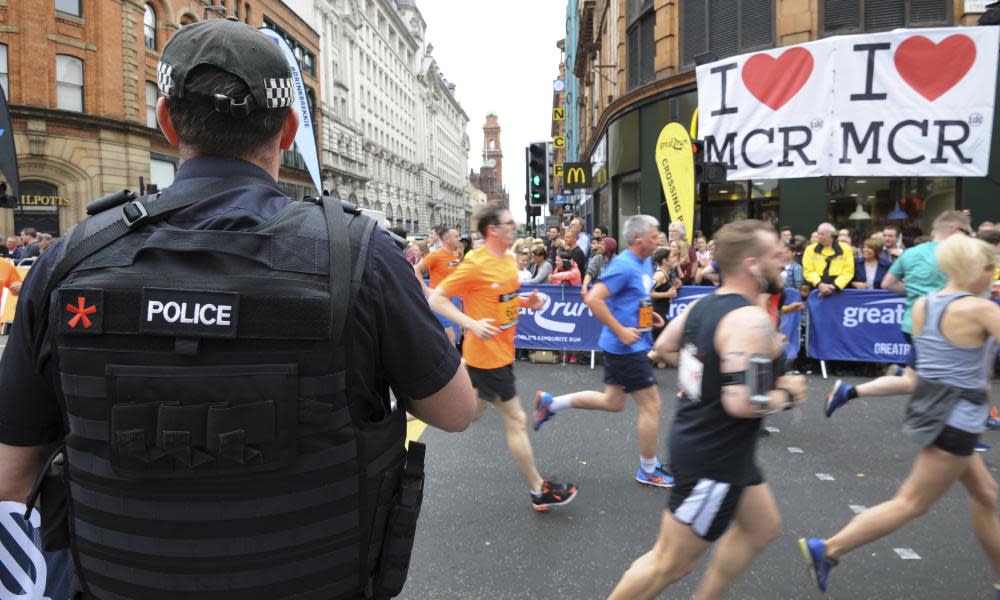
576,176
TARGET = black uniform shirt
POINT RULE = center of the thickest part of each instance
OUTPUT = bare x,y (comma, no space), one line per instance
397,342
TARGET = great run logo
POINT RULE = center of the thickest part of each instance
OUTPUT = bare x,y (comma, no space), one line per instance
878,312
26,571
681,303
558,316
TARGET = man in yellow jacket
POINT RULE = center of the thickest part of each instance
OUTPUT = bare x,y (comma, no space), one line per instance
828,265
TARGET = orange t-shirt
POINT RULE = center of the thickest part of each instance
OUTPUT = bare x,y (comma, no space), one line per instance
8,274
488,286
440,264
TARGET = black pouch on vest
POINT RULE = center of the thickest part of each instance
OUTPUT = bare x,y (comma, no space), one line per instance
54,507
394,563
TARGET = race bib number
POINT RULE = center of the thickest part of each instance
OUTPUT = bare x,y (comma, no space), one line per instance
645,315
690,370
510,305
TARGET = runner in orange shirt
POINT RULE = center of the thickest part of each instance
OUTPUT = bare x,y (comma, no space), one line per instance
488,284
9,277
439,265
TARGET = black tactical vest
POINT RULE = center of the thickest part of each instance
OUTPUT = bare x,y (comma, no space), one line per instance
212,450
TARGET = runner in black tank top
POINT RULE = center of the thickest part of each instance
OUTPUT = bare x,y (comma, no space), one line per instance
718,416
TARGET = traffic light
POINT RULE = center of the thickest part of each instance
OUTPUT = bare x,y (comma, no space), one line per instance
538,174
706,172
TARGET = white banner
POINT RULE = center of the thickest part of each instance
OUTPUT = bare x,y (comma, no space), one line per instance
305,138
901,103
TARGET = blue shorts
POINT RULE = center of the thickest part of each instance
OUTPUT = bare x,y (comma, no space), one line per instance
633,372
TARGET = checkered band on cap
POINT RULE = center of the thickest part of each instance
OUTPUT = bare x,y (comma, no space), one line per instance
279,92
164,78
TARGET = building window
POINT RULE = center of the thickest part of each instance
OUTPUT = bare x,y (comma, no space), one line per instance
70,7
152,95
725,27
161,172
305,58
3,70
852,16
69,83
641,46
246,13
149,27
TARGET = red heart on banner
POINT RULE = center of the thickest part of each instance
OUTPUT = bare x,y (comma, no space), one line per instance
933,69
775,81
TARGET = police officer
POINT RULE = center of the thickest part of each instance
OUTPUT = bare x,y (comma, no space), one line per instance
212,365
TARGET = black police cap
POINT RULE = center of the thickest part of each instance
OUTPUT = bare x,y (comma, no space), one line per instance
235,48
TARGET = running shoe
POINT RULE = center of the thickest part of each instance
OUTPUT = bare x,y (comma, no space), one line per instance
837,397
993,421
814,552
541,414
553,494
983,447
660,477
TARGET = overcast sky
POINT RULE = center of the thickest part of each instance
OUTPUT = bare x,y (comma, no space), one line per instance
503,58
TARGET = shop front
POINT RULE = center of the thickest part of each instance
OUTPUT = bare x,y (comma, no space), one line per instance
39,208
626,182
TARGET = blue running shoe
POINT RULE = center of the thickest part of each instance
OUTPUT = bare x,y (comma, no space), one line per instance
983,447
837,397
660,477
814,552
541,414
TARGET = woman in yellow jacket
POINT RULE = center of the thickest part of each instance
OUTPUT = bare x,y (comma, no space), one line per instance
828,265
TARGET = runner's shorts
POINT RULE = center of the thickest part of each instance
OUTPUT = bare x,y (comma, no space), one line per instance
493,383
955,441
705,505
632,372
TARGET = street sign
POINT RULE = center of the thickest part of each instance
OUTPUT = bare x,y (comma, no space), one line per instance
576,176
557,170
559,142
559,199
558,86
559,114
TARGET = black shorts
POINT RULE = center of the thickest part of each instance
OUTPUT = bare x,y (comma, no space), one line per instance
705,505
492,384
632,372
955,441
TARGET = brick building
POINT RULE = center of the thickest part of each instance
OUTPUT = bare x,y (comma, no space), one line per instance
490,176
632,69
80,77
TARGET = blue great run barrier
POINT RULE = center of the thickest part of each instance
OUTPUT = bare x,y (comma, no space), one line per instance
566,323
857,325
27,571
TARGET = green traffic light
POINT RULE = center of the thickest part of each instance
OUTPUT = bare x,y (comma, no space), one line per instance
536,180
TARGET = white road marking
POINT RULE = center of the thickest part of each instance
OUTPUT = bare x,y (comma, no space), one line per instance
772,430
858,508
824,477
906,553
794,450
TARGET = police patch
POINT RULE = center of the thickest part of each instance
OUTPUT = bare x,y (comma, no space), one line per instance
81,311
189,313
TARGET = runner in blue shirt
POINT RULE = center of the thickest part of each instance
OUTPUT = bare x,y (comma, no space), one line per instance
620,300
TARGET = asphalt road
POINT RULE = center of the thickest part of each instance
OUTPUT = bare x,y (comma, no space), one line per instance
478,538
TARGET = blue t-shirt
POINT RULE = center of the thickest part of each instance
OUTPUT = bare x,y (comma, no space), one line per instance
629,279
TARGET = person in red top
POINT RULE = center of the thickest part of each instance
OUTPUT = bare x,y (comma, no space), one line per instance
488,283
566,271
439,264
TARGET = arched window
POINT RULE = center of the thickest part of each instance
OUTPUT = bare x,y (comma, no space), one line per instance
149,27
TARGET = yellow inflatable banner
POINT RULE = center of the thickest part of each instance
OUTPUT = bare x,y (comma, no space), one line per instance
675,161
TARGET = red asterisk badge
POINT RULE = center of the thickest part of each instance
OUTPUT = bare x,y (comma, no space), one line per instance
81,310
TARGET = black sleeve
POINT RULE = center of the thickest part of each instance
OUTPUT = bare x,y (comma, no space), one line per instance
581,260
29,410
412,352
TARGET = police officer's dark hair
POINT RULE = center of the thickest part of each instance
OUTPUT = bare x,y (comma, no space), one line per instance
486,215
215,133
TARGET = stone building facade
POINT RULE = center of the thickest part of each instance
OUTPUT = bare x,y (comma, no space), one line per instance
393,136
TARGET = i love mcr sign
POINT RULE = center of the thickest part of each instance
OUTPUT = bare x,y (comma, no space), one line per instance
910,102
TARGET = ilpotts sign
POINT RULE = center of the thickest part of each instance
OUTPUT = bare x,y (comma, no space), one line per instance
675,162
910,102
